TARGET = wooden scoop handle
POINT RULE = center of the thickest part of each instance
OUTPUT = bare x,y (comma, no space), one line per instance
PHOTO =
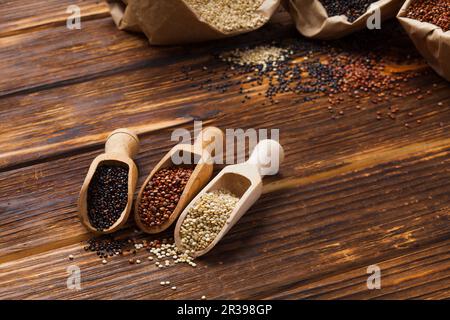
208,138
122,141
267,157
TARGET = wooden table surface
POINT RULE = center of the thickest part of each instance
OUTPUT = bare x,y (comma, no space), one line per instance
351,193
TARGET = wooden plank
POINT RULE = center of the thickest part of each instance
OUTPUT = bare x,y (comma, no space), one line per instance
142,87
50,183
422,274
68,56
57,56
35,225
326,151
27,15
156,99
353,191
293,237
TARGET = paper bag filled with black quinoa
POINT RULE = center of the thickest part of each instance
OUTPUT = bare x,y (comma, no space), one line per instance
186,21
428,25
333,19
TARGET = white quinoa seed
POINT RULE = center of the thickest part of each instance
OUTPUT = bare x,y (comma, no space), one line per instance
170,250
257,56
205,219
229,15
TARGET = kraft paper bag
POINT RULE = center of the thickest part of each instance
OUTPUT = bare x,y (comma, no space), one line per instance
123,16
312,20
167,22
430,40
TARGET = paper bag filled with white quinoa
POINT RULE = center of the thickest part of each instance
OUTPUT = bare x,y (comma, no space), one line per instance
333,19
186,21
428,25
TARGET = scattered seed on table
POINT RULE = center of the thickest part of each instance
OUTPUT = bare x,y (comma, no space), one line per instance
344,71
71,257
106,246
261,56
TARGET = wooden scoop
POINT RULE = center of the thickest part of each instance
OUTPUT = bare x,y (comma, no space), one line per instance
244,181
203,148
121,146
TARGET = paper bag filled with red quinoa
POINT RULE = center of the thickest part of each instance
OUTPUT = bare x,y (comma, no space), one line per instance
428,25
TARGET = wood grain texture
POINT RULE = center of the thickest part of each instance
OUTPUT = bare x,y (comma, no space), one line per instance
352,191
152,95
141,105
149,73
84,54
32,184
292,238
404,276
24,16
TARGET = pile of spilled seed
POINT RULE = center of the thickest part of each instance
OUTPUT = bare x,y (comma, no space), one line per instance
330,72
204,221
436,12
159,253
107,196
365,72
257,56
106,247
229,15
352,9
206,218
163,253
161,195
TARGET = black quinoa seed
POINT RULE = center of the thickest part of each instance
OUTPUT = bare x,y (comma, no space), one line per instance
352,9
107,195
106,246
